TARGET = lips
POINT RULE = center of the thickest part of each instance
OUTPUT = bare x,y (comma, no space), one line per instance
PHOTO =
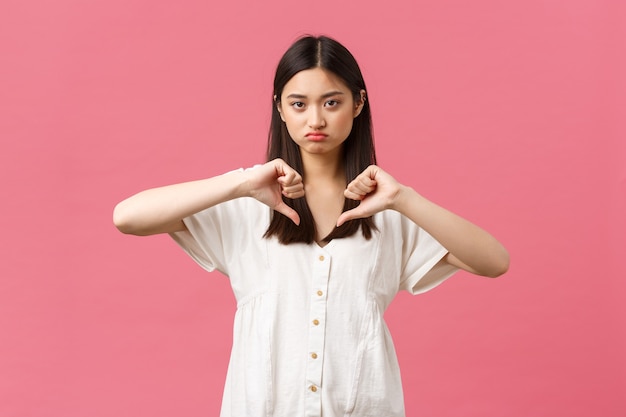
316,136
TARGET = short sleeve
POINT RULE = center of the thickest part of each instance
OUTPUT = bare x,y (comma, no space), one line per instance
207,235
215,236
422,255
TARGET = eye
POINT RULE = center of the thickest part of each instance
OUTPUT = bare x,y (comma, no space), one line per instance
297,105
331,103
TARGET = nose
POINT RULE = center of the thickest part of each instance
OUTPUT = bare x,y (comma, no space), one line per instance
316,118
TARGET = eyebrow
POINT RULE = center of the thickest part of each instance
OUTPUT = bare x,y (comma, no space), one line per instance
326,95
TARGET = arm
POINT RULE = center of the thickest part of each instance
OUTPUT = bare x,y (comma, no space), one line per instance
162,210
470,247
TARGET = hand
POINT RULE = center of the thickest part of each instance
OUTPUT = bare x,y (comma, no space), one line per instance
377,191
272,180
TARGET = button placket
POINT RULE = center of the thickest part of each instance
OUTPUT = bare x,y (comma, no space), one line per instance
317,332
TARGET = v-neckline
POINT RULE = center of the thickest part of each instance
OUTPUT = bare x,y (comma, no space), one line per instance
326,246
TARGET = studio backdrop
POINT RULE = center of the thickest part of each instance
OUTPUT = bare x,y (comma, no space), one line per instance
510,114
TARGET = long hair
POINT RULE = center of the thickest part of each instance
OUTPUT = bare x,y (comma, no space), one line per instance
358,149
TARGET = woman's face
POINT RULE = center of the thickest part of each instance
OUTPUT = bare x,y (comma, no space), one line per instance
318,109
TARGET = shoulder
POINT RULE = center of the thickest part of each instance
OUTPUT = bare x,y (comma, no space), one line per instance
402,231
391,221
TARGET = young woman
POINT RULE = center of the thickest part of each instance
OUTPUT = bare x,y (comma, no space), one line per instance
316,243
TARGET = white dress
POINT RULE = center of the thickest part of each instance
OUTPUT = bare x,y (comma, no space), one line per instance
309,336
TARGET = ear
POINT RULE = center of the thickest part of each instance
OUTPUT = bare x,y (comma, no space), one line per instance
277,104
358,106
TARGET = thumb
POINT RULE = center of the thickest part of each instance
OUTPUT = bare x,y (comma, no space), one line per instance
355,213
288,211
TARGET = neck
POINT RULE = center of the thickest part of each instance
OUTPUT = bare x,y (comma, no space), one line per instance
322,168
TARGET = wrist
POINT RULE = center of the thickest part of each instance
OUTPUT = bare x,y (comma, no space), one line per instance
405,198
241,183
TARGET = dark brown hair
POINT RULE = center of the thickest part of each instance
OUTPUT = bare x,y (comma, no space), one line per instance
358,149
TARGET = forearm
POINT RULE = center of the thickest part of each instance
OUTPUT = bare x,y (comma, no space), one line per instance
478,251
161,210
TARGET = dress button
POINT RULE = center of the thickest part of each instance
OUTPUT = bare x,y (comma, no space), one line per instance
321,258
320,293
316,322
313,388
314,355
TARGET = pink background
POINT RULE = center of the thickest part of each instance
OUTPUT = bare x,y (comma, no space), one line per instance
512,114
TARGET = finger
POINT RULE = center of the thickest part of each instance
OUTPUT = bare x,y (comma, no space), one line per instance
352,195
287,177
288,211
293,187
362,186
293,190
286,173
366,181
290,179
298,193
355,213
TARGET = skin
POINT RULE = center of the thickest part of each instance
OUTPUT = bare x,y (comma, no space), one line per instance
316,100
